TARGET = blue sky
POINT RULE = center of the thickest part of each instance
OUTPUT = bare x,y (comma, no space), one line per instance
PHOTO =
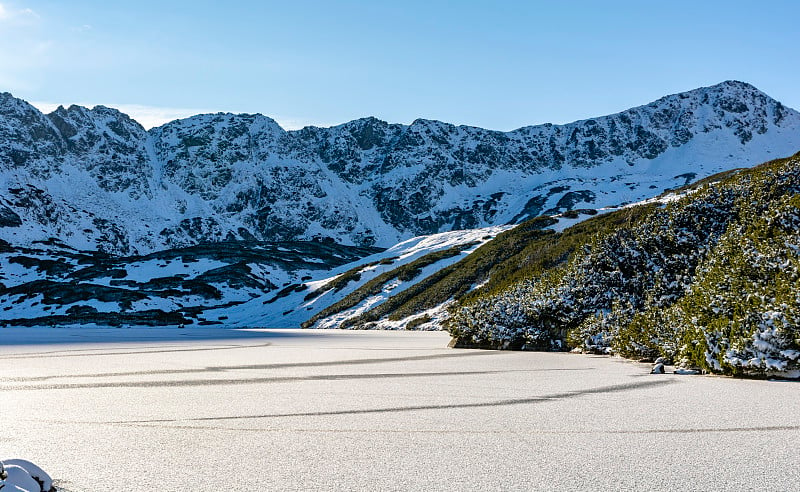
498,65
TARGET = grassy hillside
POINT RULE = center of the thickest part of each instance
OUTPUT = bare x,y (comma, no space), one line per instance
513,255
524,252
404,273
709,281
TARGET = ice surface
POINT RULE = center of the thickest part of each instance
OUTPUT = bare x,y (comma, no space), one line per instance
259,412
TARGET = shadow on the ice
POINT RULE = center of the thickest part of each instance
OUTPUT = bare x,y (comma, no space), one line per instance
41,335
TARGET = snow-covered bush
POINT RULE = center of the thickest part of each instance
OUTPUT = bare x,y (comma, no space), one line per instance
711,281
744,311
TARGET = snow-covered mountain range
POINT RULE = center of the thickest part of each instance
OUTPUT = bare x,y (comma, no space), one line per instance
96,180
226,218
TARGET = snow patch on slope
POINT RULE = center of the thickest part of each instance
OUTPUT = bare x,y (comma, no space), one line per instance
292,310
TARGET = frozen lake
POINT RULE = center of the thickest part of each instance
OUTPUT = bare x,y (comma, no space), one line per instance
209,410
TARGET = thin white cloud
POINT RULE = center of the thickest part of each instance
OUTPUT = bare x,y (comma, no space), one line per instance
297,124
147,116
44,107
29,13
150,116
9,13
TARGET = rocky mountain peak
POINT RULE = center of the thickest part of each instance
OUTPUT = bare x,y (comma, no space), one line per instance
10,105
210,177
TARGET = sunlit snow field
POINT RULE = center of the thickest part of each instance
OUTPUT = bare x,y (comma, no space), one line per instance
215,409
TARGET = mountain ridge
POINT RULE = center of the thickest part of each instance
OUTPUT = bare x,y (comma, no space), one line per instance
97,180
373,118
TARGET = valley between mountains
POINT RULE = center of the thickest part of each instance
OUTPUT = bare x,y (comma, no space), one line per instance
654,232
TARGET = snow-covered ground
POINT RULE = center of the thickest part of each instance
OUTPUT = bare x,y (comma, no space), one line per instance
293,309
335,410
275,292
56,285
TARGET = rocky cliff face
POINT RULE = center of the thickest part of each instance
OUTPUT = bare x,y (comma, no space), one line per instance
96,179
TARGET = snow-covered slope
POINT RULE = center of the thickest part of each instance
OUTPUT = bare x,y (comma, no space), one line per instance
351,289
52,284
278,285
361,312
97,180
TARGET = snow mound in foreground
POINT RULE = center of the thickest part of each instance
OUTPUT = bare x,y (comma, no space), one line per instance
23,476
